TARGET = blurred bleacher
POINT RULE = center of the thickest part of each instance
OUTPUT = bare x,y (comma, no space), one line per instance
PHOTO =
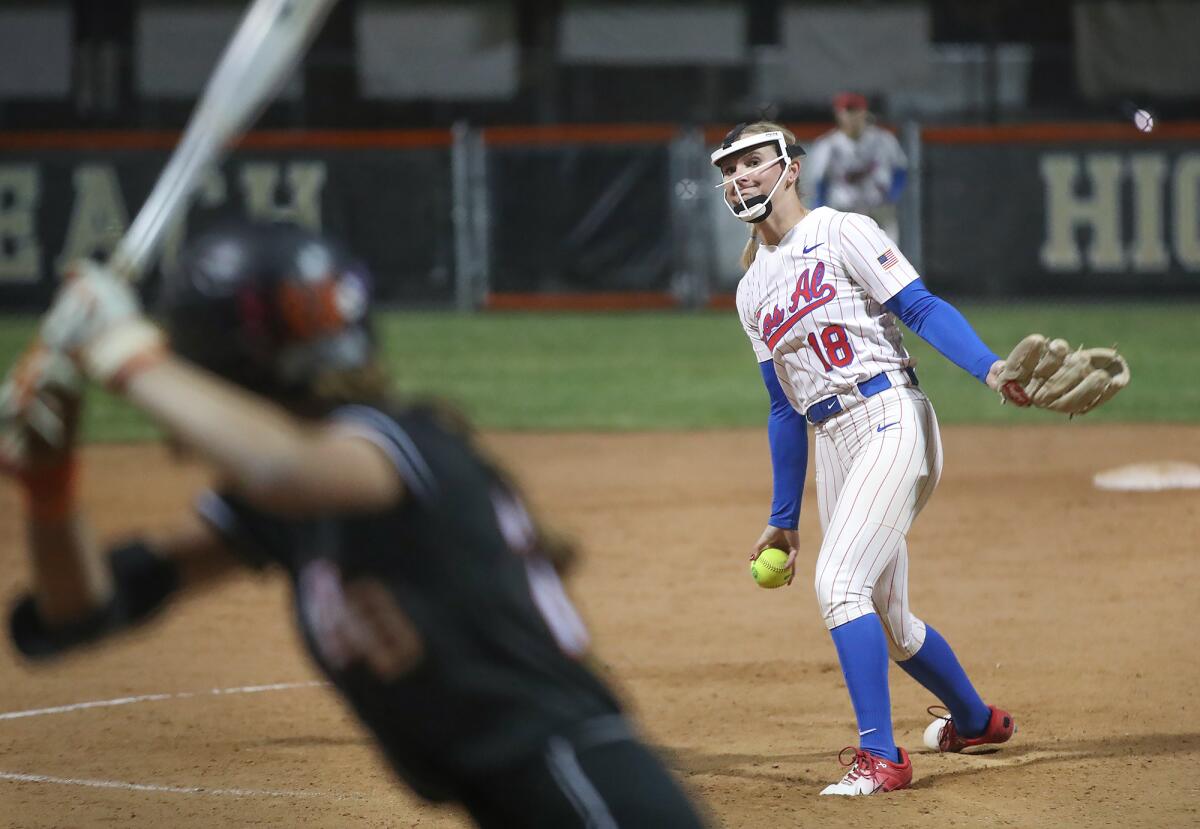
139,63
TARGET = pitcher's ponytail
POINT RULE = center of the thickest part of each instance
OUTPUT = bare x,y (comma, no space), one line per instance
749,251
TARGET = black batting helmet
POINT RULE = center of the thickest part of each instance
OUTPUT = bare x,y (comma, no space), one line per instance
268,306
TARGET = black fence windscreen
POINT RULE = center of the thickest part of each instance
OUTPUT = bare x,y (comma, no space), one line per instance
584,218
392,207
1083,218
446,222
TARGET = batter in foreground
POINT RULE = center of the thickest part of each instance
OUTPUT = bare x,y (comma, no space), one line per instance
476,685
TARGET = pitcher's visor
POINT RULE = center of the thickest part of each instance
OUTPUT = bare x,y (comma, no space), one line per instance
754,208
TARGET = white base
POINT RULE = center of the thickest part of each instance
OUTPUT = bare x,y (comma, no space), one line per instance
1149,477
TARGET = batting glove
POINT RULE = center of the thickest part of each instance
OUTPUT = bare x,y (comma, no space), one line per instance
97,320
39,401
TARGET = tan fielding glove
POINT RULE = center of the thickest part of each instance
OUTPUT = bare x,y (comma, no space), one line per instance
1047,374
1087,378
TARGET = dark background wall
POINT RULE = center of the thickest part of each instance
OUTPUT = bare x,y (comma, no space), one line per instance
586,171
568,64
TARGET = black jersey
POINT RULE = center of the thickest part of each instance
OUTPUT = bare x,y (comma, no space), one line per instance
496,643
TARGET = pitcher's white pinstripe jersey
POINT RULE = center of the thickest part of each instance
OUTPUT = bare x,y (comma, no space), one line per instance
814,304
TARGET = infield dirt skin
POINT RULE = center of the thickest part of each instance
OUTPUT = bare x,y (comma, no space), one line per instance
1073,608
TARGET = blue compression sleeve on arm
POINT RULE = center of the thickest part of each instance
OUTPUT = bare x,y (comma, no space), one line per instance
787,433
899,179
941,325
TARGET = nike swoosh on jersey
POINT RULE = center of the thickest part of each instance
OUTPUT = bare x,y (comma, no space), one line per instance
886,426
814,247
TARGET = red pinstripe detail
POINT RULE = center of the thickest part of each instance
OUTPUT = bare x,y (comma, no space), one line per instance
836,543
899,566
934,447
906,620
827,495
904,412
866,584
863,554
881,283
889,601
907,472
870,512
883,487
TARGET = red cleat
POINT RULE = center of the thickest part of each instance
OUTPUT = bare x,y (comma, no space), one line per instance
871,774
943,735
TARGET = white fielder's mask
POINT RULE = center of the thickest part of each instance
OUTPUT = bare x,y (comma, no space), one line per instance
755,208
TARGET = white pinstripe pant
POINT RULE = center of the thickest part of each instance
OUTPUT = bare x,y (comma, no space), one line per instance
876,465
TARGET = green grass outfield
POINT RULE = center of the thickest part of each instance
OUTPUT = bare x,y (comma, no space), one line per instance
695,370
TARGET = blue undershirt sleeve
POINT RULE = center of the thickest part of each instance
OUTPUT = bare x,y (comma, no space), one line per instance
899,179
787,433
822,193
942,326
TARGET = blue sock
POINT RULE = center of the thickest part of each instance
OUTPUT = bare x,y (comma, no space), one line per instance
936,667
862,650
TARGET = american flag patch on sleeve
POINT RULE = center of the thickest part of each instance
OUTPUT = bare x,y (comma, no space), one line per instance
887,259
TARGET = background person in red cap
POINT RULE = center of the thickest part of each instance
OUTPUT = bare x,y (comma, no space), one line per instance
858,167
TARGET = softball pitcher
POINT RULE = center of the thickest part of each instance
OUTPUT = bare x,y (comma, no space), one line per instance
819,301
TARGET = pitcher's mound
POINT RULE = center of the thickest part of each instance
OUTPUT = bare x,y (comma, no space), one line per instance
1150,477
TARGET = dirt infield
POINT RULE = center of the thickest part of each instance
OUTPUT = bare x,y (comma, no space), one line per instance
1074,608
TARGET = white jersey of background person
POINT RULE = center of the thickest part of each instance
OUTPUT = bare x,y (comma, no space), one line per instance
841,268
860,171
857,173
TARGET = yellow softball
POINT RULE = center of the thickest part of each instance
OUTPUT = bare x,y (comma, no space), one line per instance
770,568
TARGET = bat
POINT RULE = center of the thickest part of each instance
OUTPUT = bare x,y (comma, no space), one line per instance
267,45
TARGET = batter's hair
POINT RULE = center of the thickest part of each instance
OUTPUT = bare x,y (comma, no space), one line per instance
757,128
330,389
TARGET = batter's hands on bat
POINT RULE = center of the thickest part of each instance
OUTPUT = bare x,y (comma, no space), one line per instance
780,539
1047,374
40,403
97,320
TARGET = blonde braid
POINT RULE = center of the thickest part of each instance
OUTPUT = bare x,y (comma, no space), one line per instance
749,252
